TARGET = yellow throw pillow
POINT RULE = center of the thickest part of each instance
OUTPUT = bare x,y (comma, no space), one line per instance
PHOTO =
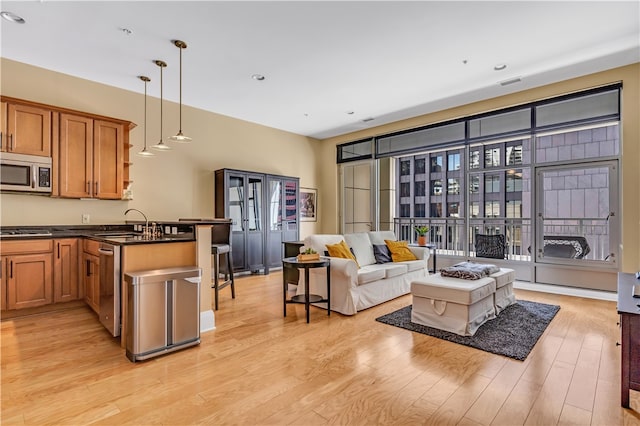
341,250
399,251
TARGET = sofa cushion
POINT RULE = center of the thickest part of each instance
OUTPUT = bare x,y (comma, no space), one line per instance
378,237
341,250
414,265
400,251
362,247
370,274
394,269
382,253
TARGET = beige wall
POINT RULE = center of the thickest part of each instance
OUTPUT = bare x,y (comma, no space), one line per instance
630,169
173,184
180,183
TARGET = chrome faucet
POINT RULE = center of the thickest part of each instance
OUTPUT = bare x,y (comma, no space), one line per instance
146,221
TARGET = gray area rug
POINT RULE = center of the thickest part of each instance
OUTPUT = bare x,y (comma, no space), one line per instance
513,333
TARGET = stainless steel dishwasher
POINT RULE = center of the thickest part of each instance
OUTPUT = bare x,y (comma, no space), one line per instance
110,287
163,311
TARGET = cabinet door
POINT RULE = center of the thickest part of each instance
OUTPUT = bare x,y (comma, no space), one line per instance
275,221
3,127
29,280
290,226
3,284
91,274
29,130
66,270
282,216
108,163
75,156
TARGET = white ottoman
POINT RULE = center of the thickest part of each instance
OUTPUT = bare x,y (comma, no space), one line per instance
503,296
451,304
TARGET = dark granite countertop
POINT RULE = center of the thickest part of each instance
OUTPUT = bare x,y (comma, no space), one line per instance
122,234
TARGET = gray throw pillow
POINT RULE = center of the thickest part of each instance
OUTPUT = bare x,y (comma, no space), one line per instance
382,253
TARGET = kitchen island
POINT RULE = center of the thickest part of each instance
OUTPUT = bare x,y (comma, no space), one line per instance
65,269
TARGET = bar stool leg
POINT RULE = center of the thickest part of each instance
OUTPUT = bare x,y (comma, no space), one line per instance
230,271
216,273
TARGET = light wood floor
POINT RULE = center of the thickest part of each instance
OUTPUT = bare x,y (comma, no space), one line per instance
258,368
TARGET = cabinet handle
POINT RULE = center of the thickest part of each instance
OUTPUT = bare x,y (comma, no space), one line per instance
1,136
11,269
96,185
88,187
617,344
58,250
88,268
10,144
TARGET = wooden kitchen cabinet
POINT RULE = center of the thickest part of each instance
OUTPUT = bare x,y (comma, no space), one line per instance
75,156
3,286
91,274
90,158
26,129
27,273
66,270
108,162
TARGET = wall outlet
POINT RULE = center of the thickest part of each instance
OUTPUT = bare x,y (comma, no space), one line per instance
85,218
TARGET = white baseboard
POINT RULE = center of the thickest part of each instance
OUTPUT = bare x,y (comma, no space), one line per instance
567,291
207,321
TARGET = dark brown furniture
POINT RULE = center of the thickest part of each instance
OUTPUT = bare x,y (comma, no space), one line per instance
629,310
264,211
306,298
291,249
221,246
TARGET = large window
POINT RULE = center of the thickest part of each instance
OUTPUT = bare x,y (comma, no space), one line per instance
476,174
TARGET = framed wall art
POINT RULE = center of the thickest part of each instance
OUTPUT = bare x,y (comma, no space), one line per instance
308,204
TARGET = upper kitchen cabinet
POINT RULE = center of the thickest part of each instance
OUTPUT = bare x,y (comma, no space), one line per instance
26,129
90,153
91,157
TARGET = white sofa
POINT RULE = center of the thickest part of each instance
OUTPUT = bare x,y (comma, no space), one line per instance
354,289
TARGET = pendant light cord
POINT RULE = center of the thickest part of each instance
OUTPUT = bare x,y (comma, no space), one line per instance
180,130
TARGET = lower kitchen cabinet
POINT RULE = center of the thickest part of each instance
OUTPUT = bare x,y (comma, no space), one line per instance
27,273
91,274
66,270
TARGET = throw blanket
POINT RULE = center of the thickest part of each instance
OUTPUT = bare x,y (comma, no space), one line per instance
469,270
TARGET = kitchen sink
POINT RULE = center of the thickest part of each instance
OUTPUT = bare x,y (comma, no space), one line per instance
116,234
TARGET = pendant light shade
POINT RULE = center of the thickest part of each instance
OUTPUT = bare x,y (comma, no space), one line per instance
179,137
145,152
161,146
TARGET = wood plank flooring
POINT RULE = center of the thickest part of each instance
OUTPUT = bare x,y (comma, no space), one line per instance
258,368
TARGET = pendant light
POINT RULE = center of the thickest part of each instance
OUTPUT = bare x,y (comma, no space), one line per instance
145,152
161,146
179,137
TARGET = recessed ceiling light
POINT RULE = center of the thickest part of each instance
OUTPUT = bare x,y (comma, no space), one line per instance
257,77
12,17
500,67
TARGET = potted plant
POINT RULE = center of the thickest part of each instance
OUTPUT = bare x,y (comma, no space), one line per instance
422,230
308,254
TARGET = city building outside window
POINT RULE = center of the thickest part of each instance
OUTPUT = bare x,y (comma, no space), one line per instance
492,157
453,162
453,186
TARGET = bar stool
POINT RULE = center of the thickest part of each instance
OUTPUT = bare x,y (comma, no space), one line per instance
221,245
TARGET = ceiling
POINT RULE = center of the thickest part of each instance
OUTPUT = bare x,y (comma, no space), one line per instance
329,66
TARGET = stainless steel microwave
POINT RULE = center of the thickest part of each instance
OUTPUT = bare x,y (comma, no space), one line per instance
25,173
